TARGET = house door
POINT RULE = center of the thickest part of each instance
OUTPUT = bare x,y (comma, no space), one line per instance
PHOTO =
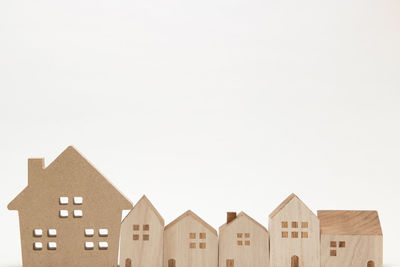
295,261
371,264
128,263
171,263
230,263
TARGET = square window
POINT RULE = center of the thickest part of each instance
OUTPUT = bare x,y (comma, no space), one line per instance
103,245
284,234
240,243
63,200
295,234
247,235
202,235
135,237
202,245
192,245
247,242
78,213
146,237
284,224
239,235
52,246
333,244
37,232
342,244
63,213
333,253
136,227
52,233
304,234
78,200
89,232
37,246
89,245
304,225
295,225
103,232
146,227
192,235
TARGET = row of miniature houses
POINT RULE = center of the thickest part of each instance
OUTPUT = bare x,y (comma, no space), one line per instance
70,215
296,237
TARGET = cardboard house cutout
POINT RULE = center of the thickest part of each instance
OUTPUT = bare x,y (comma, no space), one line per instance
294,235
142,233
350,238
190,242
243,242
69,214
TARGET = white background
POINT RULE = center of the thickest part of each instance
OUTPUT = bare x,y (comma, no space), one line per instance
210,105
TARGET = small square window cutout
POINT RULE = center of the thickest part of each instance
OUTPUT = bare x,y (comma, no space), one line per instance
146,227
333,253
192,235
295,225
135,237
284,234
295,234
333,244
192,245
136,227
202,235
146,237
240,243
342,244
284,224
304,234
202,245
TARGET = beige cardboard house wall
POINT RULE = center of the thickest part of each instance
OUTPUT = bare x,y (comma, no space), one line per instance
350,238
243,242
69,214
142,233
294,235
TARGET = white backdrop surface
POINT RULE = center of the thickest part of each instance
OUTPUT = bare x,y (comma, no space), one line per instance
209,105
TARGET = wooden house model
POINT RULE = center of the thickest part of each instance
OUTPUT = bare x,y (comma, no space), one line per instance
350,238
142,233
69,214
243,242
190,242
294,235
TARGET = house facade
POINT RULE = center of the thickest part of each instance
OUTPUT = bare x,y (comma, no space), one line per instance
190,242
243,242
350,238
69,214
294,235
142,236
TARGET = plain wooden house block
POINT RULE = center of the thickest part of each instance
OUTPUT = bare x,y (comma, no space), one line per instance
294,235
350,238
142,236
69,214
243,242
190,242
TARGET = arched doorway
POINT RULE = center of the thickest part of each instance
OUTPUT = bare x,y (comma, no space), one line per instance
128,263
171,263
295,261
230,263
371,264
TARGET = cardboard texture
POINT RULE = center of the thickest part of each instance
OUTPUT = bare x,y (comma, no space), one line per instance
69,214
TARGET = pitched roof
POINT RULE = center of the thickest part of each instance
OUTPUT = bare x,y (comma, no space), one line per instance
146,201
194,216
284,203
242,214
349,222
70,156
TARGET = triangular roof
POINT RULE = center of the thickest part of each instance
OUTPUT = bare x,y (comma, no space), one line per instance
194,216
242,214
285,202
349,222
71,156
147,202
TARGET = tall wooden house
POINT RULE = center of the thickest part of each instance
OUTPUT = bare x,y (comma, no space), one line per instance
142,236
243,242
69,214
190,242
350,238
294,235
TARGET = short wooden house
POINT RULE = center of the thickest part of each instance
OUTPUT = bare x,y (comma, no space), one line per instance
243,242
294,235
142,236
350,238
190,242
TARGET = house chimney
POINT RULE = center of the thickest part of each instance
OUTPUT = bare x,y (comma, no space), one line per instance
230,216
35,167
